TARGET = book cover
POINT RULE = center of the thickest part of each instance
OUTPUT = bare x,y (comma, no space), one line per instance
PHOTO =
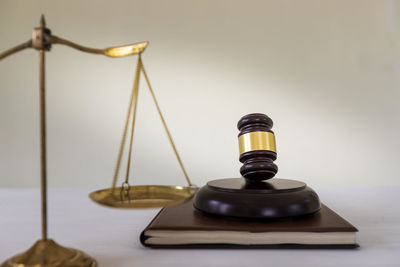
183,226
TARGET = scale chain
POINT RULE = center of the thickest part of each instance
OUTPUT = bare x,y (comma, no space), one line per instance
132,110
135,101
165,126
123,141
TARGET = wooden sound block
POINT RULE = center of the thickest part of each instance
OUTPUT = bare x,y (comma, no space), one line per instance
275,198
257,195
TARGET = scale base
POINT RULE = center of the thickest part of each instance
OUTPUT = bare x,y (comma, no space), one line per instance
275,198
47,253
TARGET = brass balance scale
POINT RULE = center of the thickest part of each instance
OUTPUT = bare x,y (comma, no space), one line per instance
46,252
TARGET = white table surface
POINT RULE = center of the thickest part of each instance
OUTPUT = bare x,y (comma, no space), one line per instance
112,236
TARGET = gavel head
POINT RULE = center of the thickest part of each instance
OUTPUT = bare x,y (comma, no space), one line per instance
257,147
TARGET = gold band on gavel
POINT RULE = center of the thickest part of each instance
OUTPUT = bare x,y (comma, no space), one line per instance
257,141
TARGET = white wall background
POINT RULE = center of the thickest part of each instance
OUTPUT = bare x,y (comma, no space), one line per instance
326,72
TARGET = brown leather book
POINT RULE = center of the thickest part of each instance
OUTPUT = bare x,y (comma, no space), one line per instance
185,227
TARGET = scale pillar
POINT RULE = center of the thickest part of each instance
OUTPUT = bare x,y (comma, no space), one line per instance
46,252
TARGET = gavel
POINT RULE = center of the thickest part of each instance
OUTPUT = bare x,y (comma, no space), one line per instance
257,195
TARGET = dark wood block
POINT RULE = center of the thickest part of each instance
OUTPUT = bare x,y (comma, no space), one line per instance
275,198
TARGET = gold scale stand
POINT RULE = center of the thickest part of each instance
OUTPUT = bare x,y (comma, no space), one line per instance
46,252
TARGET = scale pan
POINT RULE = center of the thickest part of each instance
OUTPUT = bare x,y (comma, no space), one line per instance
143,196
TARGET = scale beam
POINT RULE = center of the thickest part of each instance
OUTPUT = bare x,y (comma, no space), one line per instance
16,49
42,39
116,51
